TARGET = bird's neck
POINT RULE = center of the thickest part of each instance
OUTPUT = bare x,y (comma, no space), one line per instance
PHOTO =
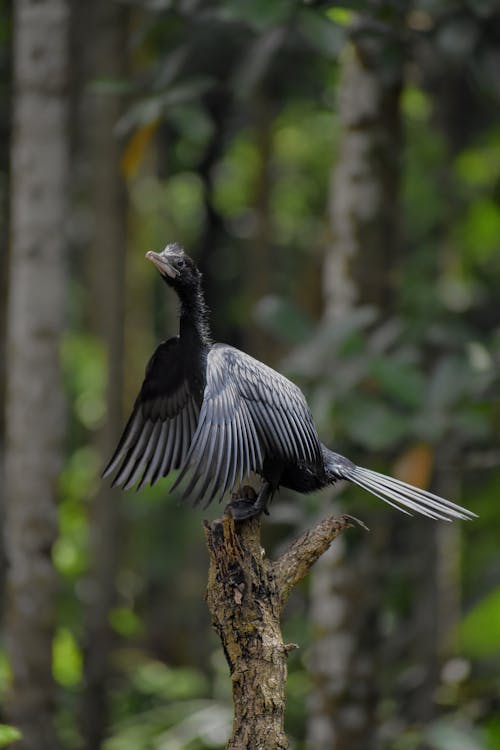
194,324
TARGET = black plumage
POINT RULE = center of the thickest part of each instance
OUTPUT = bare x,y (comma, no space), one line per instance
216,414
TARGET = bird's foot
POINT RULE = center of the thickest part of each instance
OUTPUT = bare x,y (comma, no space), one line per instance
245,504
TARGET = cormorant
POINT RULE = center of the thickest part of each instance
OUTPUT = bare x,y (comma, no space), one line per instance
217,414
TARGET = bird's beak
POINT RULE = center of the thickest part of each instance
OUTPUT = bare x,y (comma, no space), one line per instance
162,264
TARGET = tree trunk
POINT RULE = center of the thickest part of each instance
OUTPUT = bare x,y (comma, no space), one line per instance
245,595
5,136
35,417
358,270
107,26
365,190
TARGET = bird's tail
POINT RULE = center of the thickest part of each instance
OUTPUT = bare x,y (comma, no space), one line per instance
405,497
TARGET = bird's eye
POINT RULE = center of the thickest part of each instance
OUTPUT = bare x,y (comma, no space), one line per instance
181,263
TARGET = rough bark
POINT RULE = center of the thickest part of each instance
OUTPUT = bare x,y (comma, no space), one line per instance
34,415
358,270
107,25
245,595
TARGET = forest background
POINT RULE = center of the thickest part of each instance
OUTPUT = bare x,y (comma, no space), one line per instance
334,169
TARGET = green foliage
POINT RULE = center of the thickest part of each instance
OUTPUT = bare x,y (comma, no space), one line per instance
170,709
83,363
196,725
78,481
125,622
479,631
415,104
8,734
66,659
478,167
236,177
5,674
479,230
492,733
155,678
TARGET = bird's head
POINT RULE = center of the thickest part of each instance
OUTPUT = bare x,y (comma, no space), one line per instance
176,268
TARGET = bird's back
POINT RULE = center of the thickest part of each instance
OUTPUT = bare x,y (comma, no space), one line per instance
251,417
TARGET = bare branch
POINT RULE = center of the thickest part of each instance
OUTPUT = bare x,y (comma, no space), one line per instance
245,596
295,563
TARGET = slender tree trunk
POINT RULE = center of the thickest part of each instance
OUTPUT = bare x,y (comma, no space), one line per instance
365,187
435,553
358,268
107,24
5,135
245,595
35,418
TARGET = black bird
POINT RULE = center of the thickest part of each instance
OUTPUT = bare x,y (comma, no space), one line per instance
217,414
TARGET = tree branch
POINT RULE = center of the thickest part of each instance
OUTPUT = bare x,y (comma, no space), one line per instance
295,563
245,597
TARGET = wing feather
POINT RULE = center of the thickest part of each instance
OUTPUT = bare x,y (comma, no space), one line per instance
225,483
158,434
145,457
155,446
160,455
217,484
249,413
130,435
208,460
166,463
133,457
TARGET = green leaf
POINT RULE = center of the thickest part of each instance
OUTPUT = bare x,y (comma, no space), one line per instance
8,734
84,366
340,16
66,659
124,621
492,732
416,104
478,167
480,230
479,631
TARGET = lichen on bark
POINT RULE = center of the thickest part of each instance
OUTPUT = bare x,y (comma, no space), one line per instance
245,595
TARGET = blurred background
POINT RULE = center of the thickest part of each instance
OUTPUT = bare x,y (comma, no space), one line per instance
334,169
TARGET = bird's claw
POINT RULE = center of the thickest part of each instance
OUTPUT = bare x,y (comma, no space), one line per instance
240,510
245,504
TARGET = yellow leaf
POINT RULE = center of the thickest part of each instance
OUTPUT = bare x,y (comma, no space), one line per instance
415,465
135,149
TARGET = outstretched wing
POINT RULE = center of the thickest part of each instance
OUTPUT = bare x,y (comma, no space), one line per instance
249,413
158,433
